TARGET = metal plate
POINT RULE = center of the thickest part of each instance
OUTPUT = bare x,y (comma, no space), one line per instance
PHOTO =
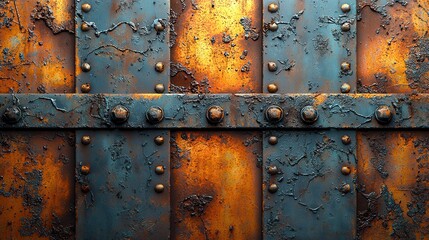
121,202
309,202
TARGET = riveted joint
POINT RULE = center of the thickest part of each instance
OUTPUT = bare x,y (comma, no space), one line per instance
215,114
159,25
12,115
85,140
159,140
274,114
154,115
84,169
345,8
345,188
383,114
273,170
120,114
159,170
309,114
273,188
273,7
159,188
273,140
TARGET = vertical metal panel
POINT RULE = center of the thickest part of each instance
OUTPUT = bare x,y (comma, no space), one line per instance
121,202
393,175
393,46
122,46
37,46
216,46
216,185
309,203
309,46
36,185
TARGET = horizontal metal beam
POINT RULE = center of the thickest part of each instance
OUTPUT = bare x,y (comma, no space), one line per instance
190,111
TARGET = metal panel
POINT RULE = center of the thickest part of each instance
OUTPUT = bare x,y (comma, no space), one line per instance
122,46
216,185
309,46
36,185
311,201
115,194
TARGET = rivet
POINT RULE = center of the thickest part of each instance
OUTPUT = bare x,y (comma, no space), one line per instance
383,114
345,188
85,140
159,170
85,88
272,26
272,88
309,114
346,139
159,67
273,188
86,7
159,88
345,170
159,26
85,169
154,115
273,7
345,27
272,66
273,170
159,140
12,115
346,66
84,188
85,27
345,88
159,188
345,8
272,140
120,114
215,114
274,114
86,67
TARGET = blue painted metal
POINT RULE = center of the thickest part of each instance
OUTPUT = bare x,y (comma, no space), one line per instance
309,203
122,45
309,46
121,202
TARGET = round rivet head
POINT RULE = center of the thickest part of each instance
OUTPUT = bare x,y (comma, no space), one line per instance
273,26
159,88
215,114
159,188
309,114
345,8
86,67
159,140
274,114
120,114
159,67
159,26
85,169
85,88
383,114
85,140
346,188
154,115
84,188
345,88
12,115
86,7
273,188
272,140
273,7
84,27
159,170
345,170
346,139
272,88
273,170
345,27
345,66
272,66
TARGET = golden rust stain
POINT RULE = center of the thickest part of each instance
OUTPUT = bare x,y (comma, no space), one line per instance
219,168
210,43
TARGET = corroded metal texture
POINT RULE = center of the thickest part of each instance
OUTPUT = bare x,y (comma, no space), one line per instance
124,43
36,185
393,196
216,185
309,47
117,199
37,46
393,46
240,110
216,46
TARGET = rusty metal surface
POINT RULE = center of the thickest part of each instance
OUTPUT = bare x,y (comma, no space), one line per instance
216,185
37,46
309,46
122,45
120,201
310,201
241,110
36,185
216,46
393,46
393,193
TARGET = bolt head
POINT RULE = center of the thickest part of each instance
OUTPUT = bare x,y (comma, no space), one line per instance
154,115
272,140
345,170
273,188
159,188
159,170
273,170
273,26
159,26
346,188
215,114
85,140
86,67
86,7
345,8
346,139
85,88
85,27
346,66
272,66
274,114
345,27
12,115
159,88
309,114
85,169
159,67
272,88
383,114
273,7
159,140
84,188
120,114
345,88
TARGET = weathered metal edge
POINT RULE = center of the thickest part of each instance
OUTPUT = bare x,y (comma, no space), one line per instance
350,111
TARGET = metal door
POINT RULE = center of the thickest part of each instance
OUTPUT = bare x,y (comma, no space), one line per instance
214,119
